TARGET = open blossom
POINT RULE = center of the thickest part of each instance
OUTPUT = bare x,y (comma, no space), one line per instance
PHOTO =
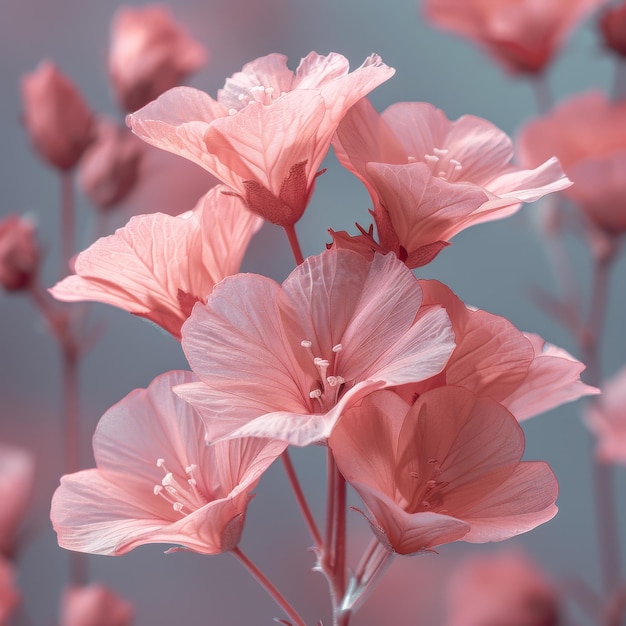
19,253
286,361
17,477
94,605
158,266
606,417
150,53
504,589
269,129
157,481
522,35
56,116
430,178
110,168
445,469
494,359
588,135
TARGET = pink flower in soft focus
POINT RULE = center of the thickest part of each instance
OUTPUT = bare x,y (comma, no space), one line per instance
158,266
445,469
493,359
17,477
94,605
110,168
606,417
157,481
286,361
522,35
56,116
9,595
430,178
150,53
269,129
19,253
588,135
504,589
613,28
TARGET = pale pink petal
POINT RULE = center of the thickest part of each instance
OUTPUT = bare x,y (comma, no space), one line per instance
338,327
94,605
17,477
158,266
553,379
157,481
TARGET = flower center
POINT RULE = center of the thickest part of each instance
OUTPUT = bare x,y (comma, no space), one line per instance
427,494
442,166
181,492
258,93
330,385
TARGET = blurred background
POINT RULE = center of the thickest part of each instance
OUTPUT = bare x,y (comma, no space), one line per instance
492,266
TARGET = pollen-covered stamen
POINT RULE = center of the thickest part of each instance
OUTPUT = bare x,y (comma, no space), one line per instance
257,93
442,166
182,493
331,384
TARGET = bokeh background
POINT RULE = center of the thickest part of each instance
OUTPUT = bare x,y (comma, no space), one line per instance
492,266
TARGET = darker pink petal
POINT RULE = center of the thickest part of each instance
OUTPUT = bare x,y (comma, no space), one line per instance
449,469
285,362
159,266
430,178
157,481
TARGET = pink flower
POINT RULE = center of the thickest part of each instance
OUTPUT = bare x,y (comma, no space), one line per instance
430,178
286,361
494,359
268,131
613,28
17,477
159,266
157,481
150,53
588,135
446,469
19,253
606,417
9,594
522,35
110,168
56,116
506,589
94,605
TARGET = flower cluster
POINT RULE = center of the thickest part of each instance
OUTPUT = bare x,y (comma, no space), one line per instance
415,396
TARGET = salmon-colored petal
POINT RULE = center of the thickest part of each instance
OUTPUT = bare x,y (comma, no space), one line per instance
157,481
158,266
553,378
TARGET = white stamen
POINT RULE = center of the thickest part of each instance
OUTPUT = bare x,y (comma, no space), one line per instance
305,343
316,393
337,348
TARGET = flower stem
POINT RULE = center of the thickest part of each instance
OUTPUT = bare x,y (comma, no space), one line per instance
269,587
608,534
302,503
68,223
294,243
543,95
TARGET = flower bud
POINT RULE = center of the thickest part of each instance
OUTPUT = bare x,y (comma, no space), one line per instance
149,54
94,605
55,116
110,168
19,254
613,28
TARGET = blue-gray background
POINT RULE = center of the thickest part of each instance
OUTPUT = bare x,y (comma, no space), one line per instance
492,266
